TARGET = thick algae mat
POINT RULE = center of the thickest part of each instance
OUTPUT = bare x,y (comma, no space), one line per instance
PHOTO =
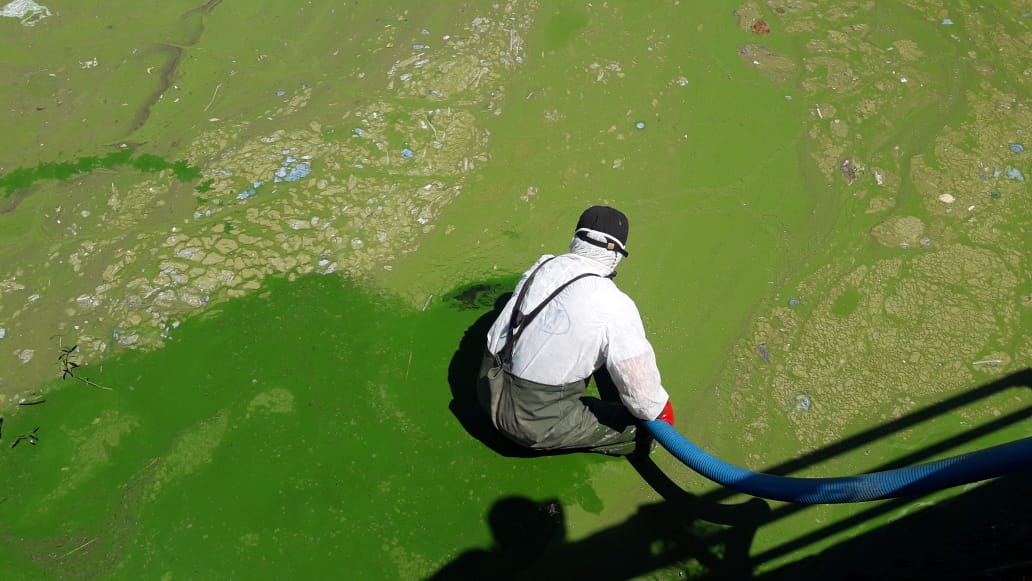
829,233
299,448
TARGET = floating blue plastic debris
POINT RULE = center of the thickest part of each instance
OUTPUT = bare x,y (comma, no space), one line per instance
996,195
292,173
801,403
292,168
302,170
250,191
1017,148
640,125
280,93
1015,174
793,302
947,21
407,153
420,46
358,131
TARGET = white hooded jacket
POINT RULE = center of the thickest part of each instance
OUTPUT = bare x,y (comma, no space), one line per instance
589,324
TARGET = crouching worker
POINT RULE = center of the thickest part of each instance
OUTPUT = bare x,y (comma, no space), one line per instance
566,320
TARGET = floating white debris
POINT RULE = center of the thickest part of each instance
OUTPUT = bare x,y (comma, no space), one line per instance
27,11
947,198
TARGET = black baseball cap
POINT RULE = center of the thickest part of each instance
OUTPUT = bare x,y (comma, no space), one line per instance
607,220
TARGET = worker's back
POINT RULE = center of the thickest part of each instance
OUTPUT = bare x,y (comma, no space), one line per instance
568,339
570,320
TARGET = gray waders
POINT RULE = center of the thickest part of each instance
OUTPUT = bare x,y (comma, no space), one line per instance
550,417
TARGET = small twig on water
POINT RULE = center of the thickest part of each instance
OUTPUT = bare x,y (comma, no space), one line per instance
217,87
93,383
79,548
432,128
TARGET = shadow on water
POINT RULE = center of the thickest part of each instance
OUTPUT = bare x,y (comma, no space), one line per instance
530,542
906,543
980,534
983,533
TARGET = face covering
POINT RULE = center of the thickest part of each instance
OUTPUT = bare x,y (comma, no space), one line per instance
608,258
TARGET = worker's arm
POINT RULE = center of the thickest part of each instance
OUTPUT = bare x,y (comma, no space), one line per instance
631,362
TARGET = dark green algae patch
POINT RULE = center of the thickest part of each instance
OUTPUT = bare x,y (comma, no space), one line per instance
315,428
24,178
309,427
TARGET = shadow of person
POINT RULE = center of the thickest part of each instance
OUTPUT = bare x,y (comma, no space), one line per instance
530,543
522,529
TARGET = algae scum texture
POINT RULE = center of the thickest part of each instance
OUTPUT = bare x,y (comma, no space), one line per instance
236,222
341,161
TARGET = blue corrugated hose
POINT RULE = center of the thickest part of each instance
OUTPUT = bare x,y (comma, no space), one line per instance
962,469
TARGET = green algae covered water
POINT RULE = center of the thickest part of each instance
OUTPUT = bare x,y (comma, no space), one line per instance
273,234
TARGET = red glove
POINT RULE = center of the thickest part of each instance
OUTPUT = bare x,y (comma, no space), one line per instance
667,415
